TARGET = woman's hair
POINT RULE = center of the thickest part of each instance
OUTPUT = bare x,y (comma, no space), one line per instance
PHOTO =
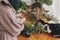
37,5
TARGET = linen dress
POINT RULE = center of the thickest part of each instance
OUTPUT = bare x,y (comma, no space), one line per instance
9,25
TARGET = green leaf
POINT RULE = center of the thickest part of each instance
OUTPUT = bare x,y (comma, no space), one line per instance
40,1
23,5
48,2
32,17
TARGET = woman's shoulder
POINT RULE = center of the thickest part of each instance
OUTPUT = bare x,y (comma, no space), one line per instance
4,9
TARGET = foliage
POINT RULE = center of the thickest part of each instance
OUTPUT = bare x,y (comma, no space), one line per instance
17,4
47,2
22,5
39,28
27,30
31,28
32,16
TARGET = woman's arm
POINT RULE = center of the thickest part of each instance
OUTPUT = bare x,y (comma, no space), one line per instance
9,22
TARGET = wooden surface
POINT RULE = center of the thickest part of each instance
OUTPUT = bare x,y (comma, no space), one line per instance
43,36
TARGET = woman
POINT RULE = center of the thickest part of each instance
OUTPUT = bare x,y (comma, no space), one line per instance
10,28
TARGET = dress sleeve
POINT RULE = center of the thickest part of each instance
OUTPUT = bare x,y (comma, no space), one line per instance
9,22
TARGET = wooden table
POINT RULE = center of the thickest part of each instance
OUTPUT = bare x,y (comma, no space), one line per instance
35,36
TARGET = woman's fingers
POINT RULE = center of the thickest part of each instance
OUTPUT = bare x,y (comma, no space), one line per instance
22,20
20,15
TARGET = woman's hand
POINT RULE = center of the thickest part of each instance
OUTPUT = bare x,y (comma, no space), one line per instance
19,15
22,20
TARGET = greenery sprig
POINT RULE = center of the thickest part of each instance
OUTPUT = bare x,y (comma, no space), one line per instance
47,2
